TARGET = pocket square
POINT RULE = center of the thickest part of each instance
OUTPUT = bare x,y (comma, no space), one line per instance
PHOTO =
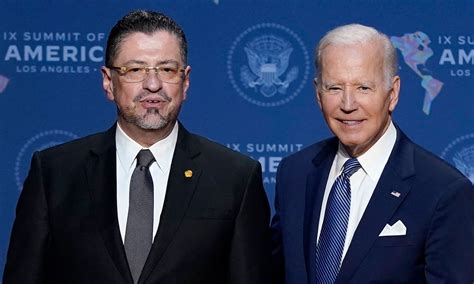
397,229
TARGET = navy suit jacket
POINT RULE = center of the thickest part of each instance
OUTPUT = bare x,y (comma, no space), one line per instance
213,227
436,204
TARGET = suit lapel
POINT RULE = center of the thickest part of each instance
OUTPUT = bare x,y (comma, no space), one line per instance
102,181
315,187
179,192
382,205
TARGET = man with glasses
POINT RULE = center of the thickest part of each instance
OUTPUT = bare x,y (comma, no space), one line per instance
145,201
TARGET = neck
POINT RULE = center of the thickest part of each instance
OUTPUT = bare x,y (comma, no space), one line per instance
146,137
357,150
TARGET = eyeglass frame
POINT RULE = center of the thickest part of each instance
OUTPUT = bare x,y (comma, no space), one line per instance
122,70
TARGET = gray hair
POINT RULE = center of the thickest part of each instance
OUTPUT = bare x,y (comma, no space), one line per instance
353,34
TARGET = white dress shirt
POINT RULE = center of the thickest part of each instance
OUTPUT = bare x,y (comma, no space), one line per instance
127,150
362,182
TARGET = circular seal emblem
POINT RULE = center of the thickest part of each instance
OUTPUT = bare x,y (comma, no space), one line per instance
460,153
40,141
268,64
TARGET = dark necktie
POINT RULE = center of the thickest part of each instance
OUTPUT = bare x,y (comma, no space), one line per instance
139,231
333,232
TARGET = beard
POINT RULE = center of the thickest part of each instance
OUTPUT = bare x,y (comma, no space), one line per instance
152,119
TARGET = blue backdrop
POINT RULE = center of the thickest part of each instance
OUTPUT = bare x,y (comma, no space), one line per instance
251,80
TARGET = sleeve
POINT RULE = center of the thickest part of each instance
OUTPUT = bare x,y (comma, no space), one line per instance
250,255
278,265
450,242
30,234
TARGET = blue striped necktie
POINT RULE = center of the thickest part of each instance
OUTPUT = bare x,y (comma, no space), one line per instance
333,231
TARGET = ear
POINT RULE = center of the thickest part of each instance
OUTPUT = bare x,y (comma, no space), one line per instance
394,92
318,93
187,71
107,83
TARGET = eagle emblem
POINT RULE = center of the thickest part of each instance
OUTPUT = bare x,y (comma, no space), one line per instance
268,58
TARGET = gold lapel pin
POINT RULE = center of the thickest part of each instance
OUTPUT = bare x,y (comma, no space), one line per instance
188,173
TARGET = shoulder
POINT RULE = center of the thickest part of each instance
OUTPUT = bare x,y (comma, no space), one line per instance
78,148
218,154
433,168
426,166
431,176
223,168
311,153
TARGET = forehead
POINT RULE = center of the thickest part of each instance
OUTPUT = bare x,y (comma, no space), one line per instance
157,46
352,61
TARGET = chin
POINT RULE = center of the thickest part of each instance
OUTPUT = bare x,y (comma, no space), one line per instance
153,121
350,142
152,126
348,138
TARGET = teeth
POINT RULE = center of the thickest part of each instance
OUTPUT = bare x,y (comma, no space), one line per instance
350,121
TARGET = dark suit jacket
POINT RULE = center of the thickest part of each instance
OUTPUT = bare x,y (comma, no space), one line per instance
213,228
436,204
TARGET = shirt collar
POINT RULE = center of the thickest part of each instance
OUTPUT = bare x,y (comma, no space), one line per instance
376,156
127,149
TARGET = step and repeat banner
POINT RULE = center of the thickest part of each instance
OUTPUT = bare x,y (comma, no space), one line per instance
51,87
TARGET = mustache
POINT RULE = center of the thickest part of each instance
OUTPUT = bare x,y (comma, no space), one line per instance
162,95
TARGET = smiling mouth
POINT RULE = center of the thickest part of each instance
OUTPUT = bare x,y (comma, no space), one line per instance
350,122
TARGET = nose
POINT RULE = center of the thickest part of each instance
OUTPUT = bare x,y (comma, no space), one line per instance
152,83
348,100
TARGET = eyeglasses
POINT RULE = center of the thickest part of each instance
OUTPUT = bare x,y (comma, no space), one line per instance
166,73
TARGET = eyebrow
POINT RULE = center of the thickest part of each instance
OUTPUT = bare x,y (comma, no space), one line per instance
140,62
329,84
365,83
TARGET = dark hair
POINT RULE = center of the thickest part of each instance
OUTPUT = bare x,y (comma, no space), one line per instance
146,22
